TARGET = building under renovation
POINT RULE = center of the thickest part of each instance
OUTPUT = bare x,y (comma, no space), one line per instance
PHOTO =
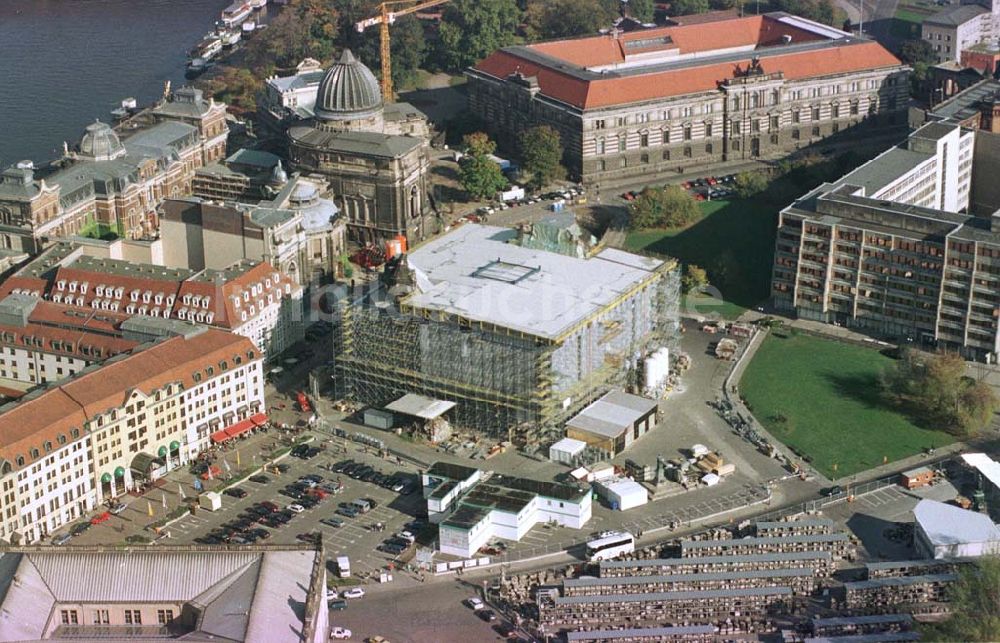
519,338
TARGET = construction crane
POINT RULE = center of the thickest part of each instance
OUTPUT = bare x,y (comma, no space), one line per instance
386,17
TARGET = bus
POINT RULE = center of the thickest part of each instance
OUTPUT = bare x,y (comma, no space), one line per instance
610,546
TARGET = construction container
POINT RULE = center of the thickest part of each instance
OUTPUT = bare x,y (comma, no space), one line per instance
379,419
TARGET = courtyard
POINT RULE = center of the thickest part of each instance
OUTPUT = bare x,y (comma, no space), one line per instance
821,398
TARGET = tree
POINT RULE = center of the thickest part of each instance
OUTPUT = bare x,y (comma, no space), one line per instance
664,207
688,7
819,10
936,389
975,603
566,18
918,51
748,184
641,10
470,30
236,86
724,5
694,278
541,151
480,175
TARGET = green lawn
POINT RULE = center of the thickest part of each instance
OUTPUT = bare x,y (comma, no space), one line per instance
733,241
827,392
909,16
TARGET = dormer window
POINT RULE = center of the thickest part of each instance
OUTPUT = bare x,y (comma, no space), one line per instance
72,286
99,290
146,296
236,303
205,301
187,300
209,317
57,298
79,301
158,299
61,284
119,291
130,309
134,295
83,287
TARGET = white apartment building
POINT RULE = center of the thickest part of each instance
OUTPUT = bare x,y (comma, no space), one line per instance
959,27
471,509
289,97
65,449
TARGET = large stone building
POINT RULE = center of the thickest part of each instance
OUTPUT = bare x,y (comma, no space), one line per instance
94,436
515,336
273,593
299,232
659,100
373,154
960,27
888,249
114,180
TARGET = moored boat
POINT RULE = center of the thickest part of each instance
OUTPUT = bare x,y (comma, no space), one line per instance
236,13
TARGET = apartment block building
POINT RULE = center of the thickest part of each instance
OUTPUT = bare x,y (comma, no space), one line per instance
960,27
887,249
98,434
43,342
249,298
659,100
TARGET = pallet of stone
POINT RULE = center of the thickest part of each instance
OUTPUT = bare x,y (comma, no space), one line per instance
819,562
800,580
797,527
883,595
867,624
687,633
838,544
887,569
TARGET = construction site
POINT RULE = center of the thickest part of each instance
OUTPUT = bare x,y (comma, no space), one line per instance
519,338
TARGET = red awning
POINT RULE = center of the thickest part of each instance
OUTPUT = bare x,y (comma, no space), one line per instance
240,428
220,436
260,419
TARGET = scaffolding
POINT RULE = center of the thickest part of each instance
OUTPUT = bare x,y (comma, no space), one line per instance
506,384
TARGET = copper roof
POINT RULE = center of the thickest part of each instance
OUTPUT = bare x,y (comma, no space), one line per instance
44,417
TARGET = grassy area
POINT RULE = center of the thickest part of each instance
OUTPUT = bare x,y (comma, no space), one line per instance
94,230
909,16
820,397
733,241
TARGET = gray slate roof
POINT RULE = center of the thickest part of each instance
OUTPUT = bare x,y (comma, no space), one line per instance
358,143
956,15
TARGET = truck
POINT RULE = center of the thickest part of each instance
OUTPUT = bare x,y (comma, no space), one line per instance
513,193
343,566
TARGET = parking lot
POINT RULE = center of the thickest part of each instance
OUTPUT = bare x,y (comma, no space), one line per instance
355,538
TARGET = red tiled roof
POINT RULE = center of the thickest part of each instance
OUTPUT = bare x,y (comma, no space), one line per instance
65,330
688,38
226,314
29,285
701,76
56,411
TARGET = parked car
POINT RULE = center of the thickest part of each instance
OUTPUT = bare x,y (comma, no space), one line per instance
270,506
340,633
392,549
101,517
337,605
832,491
118,509
283,468
312,477
347,512
332,522
236,492
61,539
311,537
308,502
407,536
487,615
261,533
354,592
475,603
260,478
295,509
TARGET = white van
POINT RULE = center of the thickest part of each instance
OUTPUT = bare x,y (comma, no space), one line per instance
343,566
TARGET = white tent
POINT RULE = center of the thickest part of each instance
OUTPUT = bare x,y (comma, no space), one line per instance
566,449
622,494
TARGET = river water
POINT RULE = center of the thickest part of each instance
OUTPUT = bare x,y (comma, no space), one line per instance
64,63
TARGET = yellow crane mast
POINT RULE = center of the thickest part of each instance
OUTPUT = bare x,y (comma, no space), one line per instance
388,12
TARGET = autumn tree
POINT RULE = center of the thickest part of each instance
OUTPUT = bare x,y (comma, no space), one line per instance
748,184
694,278
663,207
480,175
975,605
541,152
936,389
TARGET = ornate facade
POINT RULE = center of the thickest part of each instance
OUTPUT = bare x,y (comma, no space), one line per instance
375,162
